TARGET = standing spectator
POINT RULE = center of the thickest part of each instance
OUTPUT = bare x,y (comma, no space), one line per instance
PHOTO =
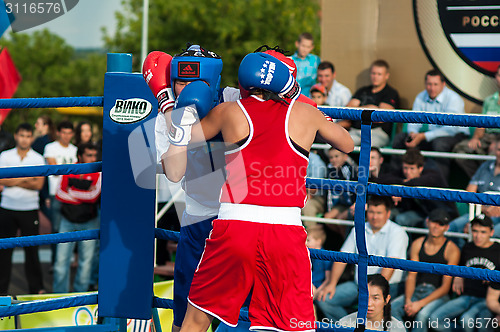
79,196
6,140
45,130
425,292
307,63
83,133
383,238
377,95
19,209
315,203
483,137
439,99
56,153
318,94
338,95
470,305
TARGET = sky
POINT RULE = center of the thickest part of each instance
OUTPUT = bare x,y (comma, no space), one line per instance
81,26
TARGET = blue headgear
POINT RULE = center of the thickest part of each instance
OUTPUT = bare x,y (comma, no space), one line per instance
197,63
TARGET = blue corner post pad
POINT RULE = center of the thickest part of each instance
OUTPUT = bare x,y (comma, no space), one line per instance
119,62
5,300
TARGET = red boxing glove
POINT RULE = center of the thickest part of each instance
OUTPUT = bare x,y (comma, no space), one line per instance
156,72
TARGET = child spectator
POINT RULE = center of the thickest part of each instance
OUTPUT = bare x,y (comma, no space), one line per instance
318,94
320,268
307,63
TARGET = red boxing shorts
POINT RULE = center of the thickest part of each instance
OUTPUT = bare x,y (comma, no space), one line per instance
271,260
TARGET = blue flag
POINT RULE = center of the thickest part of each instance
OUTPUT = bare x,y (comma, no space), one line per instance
4,18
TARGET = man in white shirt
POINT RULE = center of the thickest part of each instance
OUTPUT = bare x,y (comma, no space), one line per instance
439,99
383,238
59,152
338,94
19,209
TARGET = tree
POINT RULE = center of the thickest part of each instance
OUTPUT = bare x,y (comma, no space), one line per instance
230,28
51,68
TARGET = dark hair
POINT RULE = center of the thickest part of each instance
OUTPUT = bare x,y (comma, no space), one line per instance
379,281
434,72
326,65
85,146
78,132
380,63
413,156
375,200
65,125
24,126
482,220
305,35
374,148
48,121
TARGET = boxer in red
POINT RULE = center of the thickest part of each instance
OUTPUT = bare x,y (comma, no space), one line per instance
258,243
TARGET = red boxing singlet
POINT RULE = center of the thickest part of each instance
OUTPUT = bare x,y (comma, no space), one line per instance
267,169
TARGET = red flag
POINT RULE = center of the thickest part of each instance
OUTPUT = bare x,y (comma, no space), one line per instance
9,80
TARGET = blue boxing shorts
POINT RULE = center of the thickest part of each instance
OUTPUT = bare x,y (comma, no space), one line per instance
189,250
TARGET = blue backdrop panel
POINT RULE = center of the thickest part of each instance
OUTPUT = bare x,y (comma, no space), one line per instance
128,211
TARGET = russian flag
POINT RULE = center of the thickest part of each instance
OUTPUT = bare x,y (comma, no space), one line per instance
483,49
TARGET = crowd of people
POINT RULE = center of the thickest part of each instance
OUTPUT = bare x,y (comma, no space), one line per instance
69,202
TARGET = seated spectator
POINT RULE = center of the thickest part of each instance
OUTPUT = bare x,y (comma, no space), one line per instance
425,292
383,238
378,316
470,305
320,268
377,95
315,203
307,63
492,301
377,166
439,99
483,137
486,179
318,94
339,168
338,95
413,211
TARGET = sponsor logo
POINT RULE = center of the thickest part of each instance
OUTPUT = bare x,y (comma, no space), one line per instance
462,39
189,69
130,110
266,72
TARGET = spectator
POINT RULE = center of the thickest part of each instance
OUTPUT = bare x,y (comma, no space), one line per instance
339,169
307,63
315,203
79,196
377,166
377,95
320,268
470,305
83,133
318,94
6,140
483,137
425,292
44,129
486,179
378,316
439,99
19,209
412,211
383,238
56,153
492,301
338,95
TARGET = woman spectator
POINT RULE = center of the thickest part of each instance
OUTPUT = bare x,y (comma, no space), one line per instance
83,133
378,316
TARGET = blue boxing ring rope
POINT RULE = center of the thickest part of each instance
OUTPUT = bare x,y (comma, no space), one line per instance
361,188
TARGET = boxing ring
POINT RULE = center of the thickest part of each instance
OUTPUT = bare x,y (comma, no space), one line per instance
127,230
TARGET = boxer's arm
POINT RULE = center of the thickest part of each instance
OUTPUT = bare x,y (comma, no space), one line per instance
334,134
